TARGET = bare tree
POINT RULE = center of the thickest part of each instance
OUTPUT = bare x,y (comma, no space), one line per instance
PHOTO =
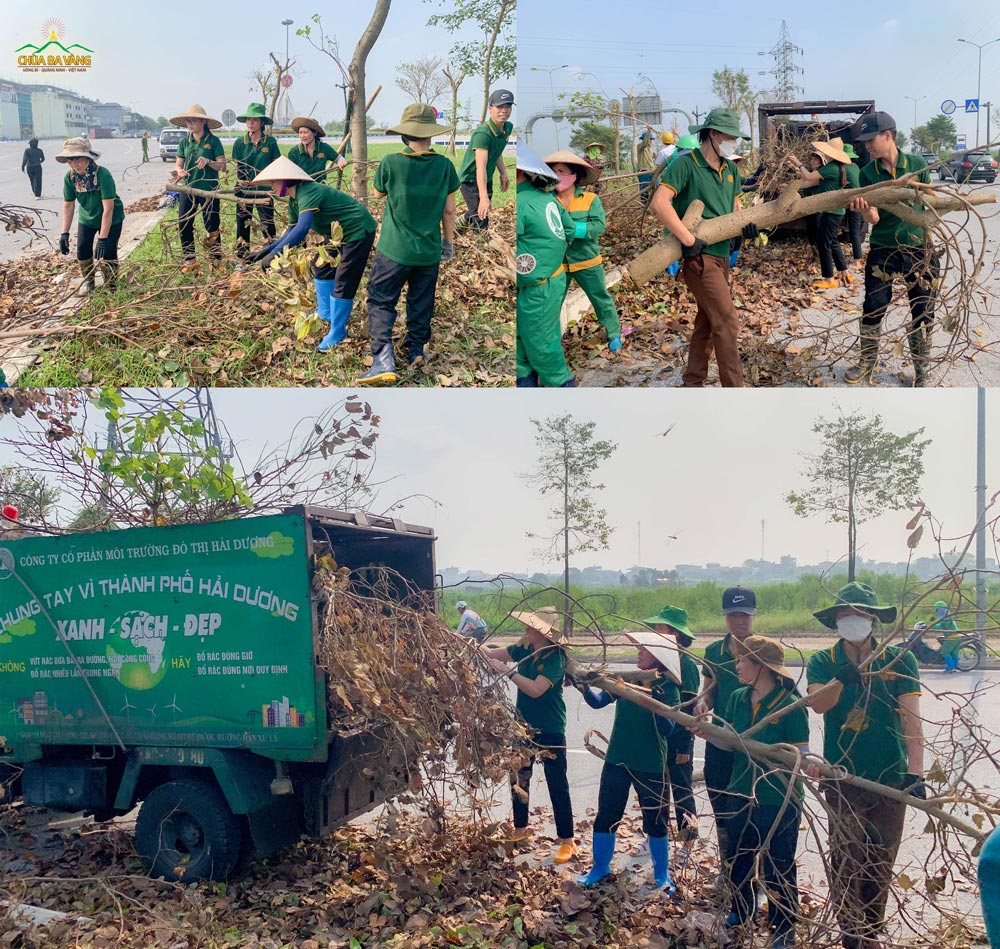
421,79
455,78
329,46
263,80
280,71
359,125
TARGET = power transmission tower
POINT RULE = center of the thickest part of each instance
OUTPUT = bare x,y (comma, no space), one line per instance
783,52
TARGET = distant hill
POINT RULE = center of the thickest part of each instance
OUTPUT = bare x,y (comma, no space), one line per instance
41,49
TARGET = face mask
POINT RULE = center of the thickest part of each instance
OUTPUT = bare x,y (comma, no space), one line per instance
941,612
854,628
566,182
726,148
284,188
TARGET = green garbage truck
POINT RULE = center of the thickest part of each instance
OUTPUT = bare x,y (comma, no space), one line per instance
175,668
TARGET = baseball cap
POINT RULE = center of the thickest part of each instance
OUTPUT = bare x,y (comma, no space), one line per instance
739,600
872,124
501,97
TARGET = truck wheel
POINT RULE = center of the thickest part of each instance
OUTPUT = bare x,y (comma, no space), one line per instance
186,831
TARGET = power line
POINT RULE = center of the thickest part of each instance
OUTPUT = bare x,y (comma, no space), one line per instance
784,70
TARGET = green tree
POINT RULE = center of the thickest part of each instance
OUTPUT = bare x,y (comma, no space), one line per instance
921,139
734,92
33,496
942,132
861,471
569,456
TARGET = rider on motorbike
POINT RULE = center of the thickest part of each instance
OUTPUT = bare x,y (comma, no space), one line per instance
952,639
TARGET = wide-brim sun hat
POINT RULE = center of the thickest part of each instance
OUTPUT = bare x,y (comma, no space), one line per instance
672,616
546,620
305,122
531,165
833,149
588,173
419,121
861,597
721,120
663,648
256,110
281,169
77,147
196,112
768,652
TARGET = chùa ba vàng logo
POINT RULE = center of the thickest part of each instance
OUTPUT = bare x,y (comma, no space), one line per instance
53,55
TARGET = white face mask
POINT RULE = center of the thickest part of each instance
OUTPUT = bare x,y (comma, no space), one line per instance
854,628
727,148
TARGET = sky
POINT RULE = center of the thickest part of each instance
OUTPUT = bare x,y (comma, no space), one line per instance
726,464
159,59
851,50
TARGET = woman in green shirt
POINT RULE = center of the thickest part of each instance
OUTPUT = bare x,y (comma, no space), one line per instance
311,154
91,187
538,674
827,172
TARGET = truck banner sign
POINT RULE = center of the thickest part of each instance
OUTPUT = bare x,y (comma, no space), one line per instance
189,635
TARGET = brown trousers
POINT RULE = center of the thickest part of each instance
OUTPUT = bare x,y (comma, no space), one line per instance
865,831
716,324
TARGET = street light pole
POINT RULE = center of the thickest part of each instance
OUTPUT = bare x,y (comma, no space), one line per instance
979,76
552,92
286,24
914,101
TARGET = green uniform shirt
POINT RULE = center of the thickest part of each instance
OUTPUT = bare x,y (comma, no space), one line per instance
547,713
953,638
487,137
862,732
91,202
252,159
417,185
584,252
329,205
892,231
751,778
315,164
829,180
190,150
719,665
544,232
635,742
691,177
853,175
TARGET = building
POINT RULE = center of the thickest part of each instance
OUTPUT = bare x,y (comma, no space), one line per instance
41,110
10,115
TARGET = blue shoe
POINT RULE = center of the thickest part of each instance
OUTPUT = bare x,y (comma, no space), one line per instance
659,852
324,288
604,850
383,370
340,311
615,344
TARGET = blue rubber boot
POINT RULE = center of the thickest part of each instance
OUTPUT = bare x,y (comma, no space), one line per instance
383,370
323,290
615,344
950,664
659,852
340,311
604,850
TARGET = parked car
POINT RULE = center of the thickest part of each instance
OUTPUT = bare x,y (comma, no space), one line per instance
170,138
929,157
970,166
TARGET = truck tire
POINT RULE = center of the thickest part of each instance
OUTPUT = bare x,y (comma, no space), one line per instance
186,831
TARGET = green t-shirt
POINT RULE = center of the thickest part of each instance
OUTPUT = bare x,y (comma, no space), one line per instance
547,713
719,665
315,164
892,231
91,202
635,741
862,731
853,175
329,205
251,159
491,138
544,232
416,185
190,150
829,180
755,779
691,177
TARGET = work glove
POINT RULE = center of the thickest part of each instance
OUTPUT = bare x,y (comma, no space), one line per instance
615,344
848,673
750,231
265,261
64,243
674,269
914,785
695,250
101,248
260,255
447,250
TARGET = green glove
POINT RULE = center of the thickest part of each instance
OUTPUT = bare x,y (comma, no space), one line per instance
579,229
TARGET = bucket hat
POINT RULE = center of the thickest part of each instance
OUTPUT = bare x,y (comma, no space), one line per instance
768,652
196,112
546,620
256,110
721,120
304,122
671,616
850,152
588,172
78,147
419,121
861,597
833,149
281,169
663,648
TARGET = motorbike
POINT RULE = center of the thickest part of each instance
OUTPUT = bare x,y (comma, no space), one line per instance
970,653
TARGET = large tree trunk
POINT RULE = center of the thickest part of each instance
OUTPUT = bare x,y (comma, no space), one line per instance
359,118
505,8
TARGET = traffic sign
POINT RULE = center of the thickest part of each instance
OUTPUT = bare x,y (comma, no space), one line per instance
948,106
960,142
971,105
286,81
228,117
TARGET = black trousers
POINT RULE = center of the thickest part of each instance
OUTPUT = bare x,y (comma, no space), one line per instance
554,765
919,269
748,829
612,799
470,192
856,228
244,215
385,284
347,271
186,211
35,179
681,780
85,237
718,770
831,254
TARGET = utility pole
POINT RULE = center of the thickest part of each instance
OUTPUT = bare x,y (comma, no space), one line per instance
981,514
697,116
987,106
638,543
979,77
